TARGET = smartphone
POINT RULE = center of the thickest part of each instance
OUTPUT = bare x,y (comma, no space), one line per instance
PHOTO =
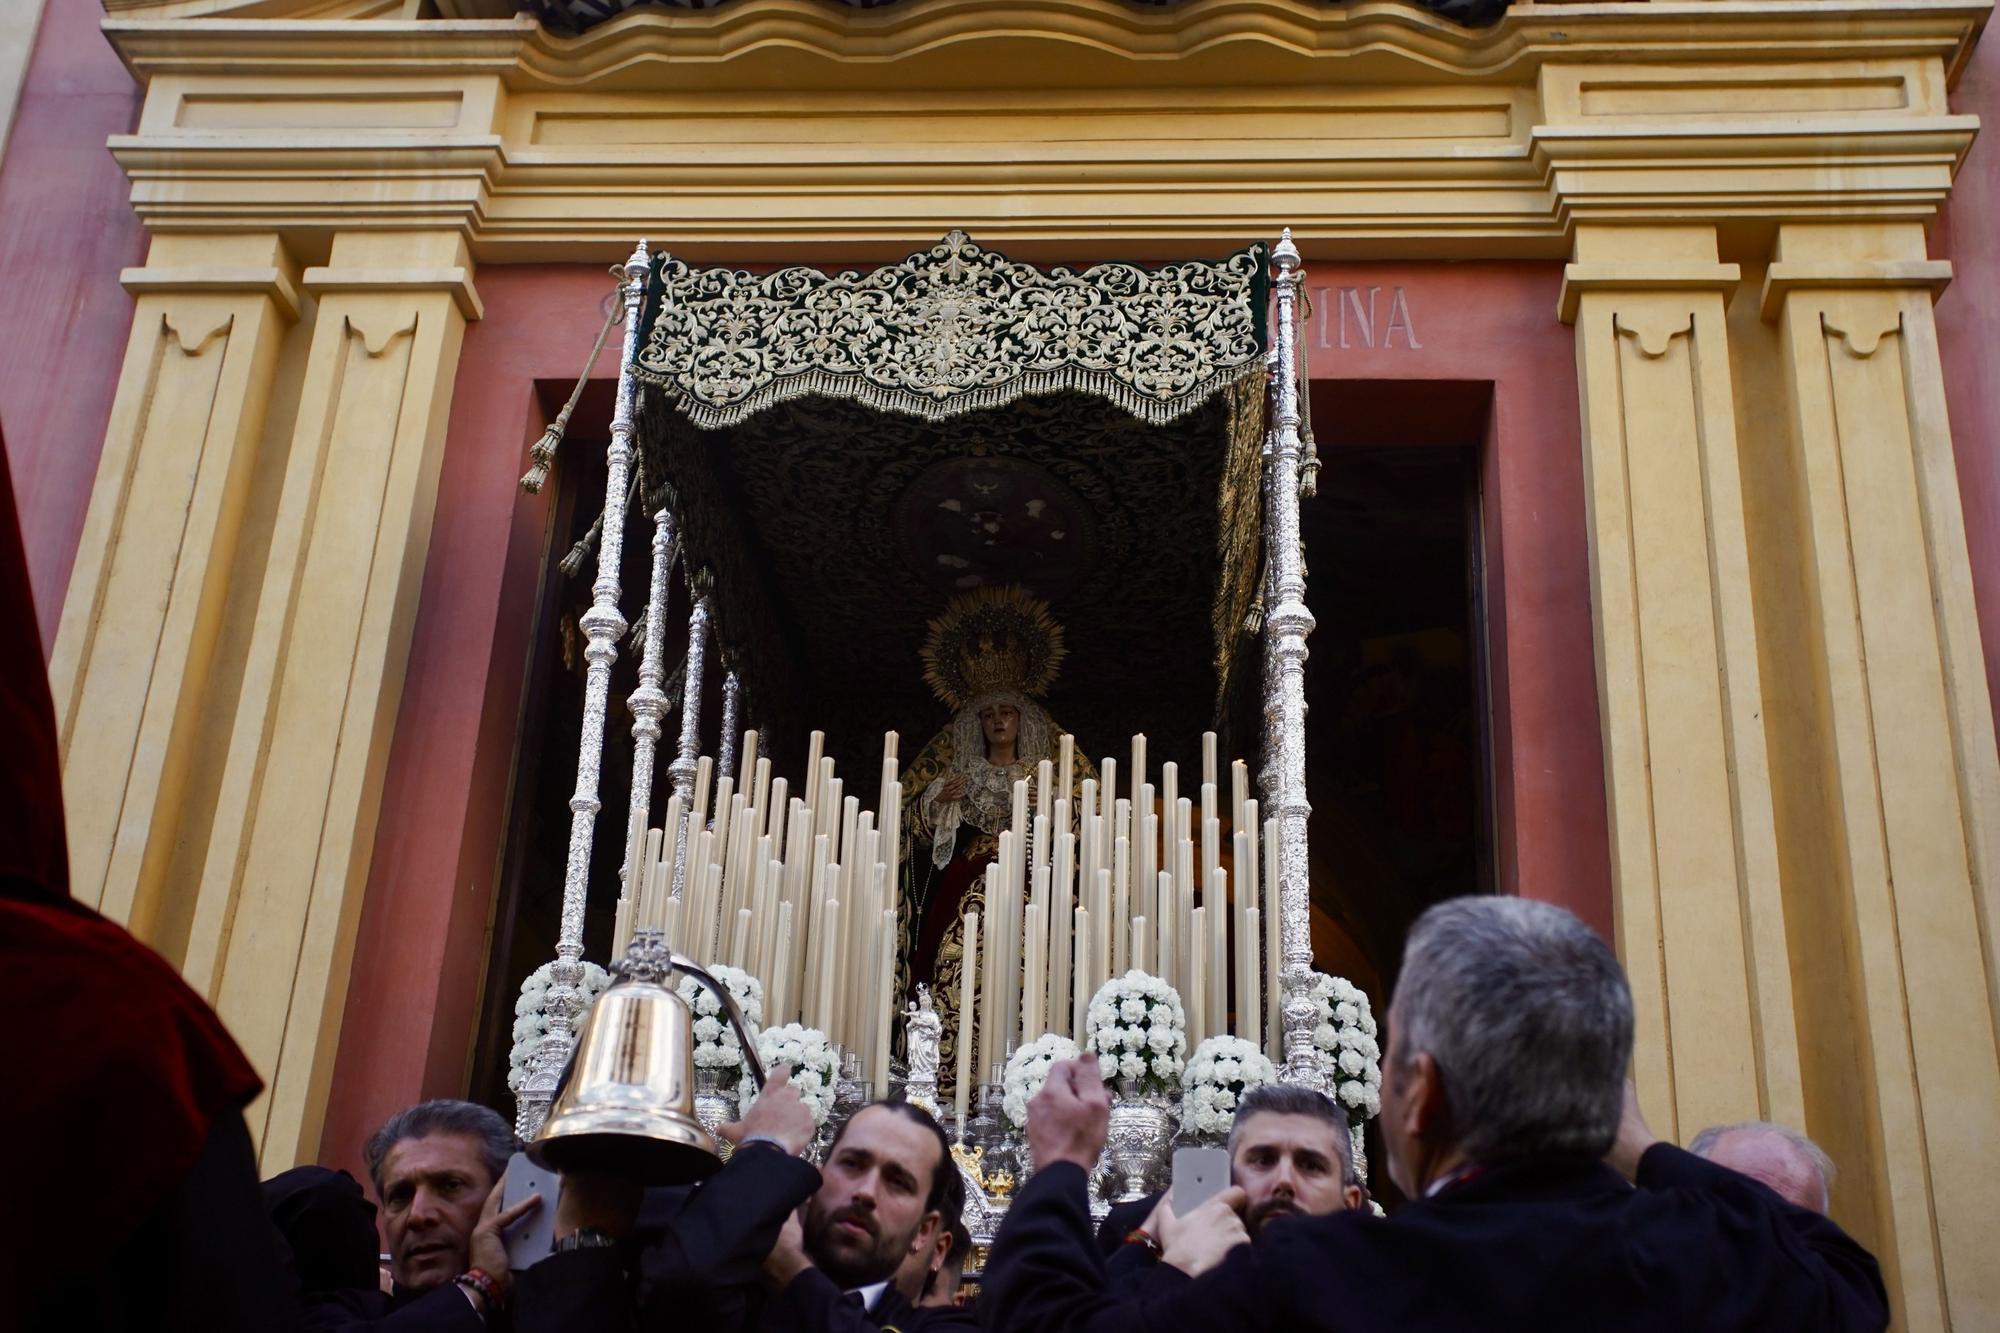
1199,1175
533,1237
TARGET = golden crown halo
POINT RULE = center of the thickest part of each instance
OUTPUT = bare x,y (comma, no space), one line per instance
991,641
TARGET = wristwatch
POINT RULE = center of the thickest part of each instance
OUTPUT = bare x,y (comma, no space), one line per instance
587,1238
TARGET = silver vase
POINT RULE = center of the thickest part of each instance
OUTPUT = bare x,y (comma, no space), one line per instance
1136,1143
715,1101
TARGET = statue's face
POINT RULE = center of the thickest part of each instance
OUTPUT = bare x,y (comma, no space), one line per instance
1001,723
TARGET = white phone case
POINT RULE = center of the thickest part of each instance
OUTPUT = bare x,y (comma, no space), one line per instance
533,1237
1199,1175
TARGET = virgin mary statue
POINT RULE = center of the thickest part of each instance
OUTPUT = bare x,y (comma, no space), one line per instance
991,655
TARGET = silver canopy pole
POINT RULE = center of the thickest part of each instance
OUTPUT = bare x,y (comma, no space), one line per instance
602,625
1287,623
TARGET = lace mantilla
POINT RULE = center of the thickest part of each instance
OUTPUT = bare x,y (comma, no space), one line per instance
952,329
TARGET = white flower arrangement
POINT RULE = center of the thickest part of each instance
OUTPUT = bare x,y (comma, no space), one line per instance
1138,1029
531,1014
814,1062
1219,1072
1027,1070
715,1043
1346,1034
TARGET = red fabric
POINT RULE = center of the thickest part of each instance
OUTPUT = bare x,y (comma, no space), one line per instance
116,1069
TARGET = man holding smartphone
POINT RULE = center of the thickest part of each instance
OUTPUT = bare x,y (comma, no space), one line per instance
1289,1155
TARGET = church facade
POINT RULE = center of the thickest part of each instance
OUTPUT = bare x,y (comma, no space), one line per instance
1702,282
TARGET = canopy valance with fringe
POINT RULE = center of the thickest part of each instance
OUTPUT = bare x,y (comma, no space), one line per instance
950,330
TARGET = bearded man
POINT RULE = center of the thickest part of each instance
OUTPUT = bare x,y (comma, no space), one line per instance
881,1199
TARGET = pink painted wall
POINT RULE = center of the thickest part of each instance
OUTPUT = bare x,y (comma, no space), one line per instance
1968,234
65,231
1496,322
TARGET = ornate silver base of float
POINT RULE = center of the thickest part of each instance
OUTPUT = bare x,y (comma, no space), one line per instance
715,1103
1136,1146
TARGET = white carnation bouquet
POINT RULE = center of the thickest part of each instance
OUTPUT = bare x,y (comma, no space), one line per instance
715,1043
531,1014
814,1062
1138,1029
1345,1032
1027,1070
1219,1072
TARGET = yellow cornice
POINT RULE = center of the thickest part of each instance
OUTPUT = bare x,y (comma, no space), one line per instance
785,128
778,43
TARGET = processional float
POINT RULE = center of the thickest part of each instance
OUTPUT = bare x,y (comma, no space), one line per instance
790,889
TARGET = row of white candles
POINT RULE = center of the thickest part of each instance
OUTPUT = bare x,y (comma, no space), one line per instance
808,902
1076,898
798,891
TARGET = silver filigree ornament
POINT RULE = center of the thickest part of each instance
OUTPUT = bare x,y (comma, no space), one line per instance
953,329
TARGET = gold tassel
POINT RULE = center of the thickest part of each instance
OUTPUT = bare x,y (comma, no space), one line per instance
542,454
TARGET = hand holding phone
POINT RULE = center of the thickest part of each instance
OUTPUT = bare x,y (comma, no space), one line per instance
533,1238
1199,1175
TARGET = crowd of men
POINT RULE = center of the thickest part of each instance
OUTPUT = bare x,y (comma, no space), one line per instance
1534,1194
1535,1197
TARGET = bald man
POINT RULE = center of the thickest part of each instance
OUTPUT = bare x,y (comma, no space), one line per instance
1795,1168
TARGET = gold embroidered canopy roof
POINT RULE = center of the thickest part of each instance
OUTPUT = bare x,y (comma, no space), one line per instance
952,329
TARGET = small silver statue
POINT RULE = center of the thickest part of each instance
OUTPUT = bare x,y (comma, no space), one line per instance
923,1031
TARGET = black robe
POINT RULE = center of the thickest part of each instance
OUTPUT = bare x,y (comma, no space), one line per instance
1545,1244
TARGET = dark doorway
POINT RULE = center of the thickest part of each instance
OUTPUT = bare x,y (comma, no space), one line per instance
1397,767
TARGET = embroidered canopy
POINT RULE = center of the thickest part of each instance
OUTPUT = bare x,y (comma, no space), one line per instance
848,449
952,329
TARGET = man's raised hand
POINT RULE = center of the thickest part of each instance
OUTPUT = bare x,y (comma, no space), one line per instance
779,1112
1068,1117
1196,1243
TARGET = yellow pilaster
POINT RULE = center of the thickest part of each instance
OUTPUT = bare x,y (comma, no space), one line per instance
139,634
295,819
1700,919
1903,749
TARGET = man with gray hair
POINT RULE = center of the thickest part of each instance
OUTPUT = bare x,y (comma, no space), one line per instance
436,1169
1795,1168
1509,1130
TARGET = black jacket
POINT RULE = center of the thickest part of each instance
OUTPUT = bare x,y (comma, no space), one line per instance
813,1303
1545,1244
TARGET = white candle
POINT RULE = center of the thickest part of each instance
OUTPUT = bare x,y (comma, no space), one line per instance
1250,1024
1139,937
1080,1002
774,818
1208,769
621,930
989,995
885,982
1045,781
747,765
968,986
1037,988
1239,794
704,773
814,749
1100,912
1137,777
1068,752
823,998
1218,957
739,943
1195,998
1165,960
1121,907
779,992
1244,939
